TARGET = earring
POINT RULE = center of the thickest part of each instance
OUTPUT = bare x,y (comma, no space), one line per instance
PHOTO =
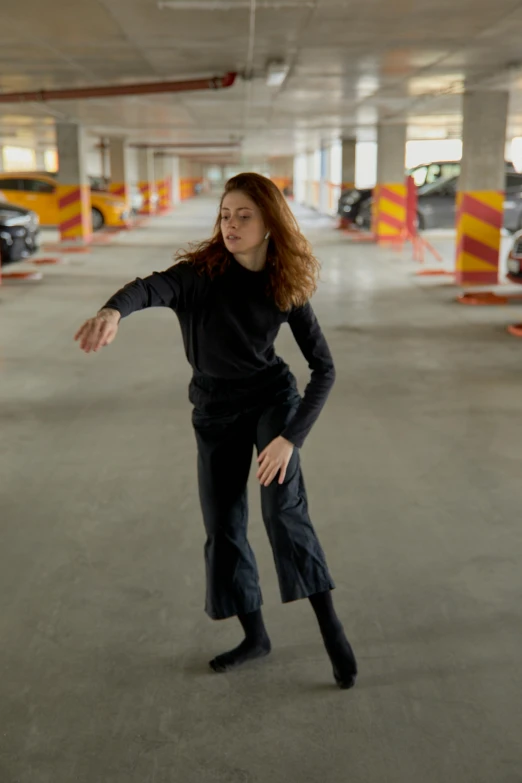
267,235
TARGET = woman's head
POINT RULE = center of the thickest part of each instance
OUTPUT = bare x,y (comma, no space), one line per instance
252,207
242,224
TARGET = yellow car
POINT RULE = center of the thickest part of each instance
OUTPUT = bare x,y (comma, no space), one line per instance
37,192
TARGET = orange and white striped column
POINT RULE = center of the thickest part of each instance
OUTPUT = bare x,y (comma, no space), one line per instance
162,170
389,196
163,189
147,191
73,191
146,182
480,200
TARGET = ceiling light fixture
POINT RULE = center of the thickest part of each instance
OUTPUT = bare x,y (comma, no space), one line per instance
277,71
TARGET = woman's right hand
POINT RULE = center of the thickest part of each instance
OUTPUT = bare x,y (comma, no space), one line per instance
98,331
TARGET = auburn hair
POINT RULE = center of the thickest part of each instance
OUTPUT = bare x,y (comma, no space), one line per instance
292,268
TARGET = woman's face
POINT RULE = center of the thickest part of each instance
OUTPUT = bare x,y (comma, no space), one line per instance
242,226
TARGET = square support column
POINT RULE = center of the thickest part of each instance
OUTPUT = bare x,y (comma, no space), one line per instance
73,192
146,180
389,196
480,201
119,168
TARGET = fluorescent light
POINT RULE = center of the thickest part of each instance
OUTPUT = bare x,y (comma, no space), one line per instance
276,73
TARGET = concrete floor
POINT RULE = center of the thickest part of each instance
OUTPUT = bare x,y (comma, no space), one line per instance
414,473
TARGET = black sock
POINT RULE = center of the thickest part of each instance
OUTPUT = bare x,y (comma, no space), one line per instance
256,644
337,645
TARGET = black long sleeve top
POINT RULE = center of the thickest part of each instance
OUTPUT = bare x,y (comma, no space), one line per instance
229,325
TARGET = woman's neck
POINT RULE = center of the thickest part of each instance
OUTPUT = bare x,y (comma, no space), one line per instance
255,260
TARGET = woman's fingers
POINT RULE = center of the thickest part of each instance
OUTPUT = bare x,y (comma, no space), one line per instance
283,473
95,333
267,472
110,336
79,332
271,476
101,334
263,468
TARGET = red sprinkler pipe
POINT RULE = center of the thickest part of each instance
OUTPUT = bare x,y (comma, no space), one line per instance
214,83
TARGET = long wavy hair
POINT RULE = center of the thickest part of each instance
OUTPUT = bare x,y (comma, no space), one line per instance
292,268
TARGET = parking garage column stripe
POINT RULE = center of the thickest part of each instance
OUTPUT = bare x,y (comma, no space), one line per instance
146,191
162,190
390,211
74,207
479,224
119,189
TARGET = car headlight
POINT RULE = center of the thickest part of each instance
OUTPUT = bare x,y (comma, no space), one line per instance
351,197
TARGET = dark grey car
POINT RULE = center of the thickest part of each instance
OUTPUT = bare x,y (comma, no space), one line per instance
436,205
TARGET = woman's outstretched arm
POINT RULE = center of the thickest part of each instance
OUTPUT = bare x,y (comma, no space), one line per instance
161,289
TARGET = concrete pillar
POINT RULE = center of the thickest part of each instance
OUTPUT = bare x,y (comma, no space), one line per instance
191,178
282,173
300,179
104,163
119,169
310,180
39,156
349,147
146,180
389,197
174,169
73,191
163,181
324,180
481,187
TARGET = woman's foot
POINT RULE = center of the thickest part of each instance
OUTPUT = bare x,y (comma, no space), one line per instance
248,650
337,645
256,644
343,660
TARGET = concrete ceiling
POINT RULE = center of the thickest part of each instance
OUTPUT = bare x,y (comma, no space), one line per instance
352,62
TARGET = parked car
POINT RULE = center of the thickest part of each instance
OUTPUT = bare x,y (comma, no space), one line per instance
37,192
19,232
514,262
352,201
102,185
436,205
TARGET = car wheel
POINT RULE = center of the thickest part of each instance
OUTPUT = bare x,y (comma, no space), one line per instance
97,219
421,225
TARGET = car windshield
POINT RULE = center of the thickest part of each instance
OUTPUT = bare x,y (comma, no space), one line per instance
448,183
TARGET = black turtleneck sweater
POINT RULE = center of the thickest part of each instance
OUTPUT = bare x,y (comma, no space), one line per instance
229,325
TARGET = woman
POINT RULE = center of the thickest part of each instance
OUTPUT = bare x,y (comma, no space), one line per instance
231,294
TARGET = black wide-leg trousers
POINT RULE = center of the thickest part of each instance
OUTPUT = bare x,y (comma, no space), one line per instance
225,445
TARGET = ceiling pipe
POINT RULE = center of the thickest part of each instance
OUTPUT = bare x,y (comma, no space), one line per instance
176,145
215,83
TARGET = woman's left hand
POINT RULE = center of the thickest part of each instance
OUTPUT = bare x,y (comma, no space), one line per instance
273,460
